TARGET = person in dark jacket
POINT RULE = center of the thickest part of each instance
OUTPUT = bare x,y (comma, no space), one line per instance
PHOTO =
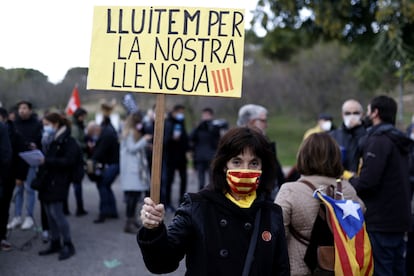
106,154
215,228
5,153
16,173
410,235
55,174
5,165
30,127
175,148
349,135
252,115
203,142
383,185
78,132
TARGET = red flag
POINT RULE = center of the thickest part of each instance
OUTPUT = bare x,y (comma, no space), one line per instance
74,102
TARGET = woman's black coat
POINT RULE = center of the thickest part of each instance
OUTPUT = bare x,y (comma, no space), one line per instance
214,235
57,171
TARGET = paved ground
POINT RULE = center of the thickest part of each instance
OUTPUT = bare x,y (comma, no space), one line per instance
101,249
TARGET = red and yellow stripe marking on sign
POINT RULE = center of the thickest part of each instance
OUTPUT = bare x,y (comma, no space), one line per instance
222,80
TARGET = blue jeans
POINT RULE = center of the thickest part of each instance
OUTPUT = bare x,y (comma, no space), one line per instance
30,195
388,251
77,188
58,224
107,202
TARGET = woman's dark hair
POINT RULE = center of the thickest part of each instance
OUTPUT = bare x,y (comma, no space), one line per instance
132,120
236,141
54,118
136,118
319,154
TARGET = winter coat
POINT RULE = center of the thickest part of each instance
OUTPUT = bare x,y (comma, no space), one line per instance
134,171
19,167
300,209
78,132
214,235
79,167
5,153
349,141
174,151
106,150
57,171
204,140
383,183
31,130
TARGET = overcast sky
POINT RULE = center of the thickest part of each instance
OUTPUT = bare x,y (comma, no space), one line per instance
54,36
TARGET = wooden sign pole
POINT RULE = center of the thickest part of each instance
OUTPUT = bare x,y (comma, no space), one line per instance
157,148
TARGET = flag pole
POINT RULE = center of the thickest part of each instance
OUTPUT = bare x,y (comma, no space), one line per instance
157,148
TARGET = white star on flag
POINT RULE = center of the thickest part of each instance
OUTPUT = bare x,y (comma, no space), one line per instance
349,208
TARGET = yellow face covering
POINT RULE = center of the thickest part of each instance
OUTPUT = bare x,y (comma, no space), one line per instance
245,202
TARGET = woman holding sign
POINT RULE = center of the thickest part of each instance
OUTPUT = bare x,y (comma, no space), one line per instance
230,228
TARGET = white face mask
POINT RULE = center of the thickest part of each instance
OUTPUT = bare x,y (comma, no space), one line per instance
326,125
48,129
351,120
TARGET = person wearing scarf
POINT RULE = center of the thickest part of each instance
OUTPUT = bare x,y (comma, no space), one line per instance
214,228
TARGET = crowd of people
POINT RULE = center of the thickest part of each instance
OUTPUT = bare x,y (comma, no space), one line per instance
241,219
74,148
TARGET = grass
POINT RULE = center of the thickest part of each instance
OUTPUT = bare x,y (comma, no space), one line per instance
287,132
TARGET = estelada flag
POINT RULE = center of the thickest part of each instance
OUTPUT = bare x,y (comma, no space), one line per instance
353,254
74,102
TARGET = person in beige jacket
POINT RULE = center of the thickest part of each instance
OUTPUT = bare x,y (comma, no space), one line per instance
319,162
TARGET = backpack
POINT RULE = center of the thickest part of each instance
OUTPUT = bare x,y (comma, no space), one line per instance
320,251
339,232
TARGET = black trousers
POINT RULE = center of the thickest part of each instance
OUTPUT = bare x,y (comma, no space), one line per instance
6,194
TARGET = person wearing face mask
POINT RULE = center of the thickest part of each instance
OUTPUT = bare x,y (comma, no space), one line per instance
204,140
55,173
384,186
349,135
219,229
175,147
134,171
324,124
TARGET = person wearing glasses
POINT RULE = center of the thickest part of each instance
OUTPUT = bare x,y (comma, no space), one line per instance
255,116
349,135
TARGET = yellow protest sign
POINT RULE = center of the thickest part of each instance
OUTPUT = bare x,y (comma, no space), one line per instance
169,50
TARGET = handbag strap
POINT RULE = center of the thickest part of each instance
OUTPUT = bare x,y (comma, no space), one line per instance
298,236
337,195
252,246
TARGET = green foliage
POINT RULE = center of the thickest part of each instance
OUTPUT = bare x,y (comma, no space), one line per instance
381,33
